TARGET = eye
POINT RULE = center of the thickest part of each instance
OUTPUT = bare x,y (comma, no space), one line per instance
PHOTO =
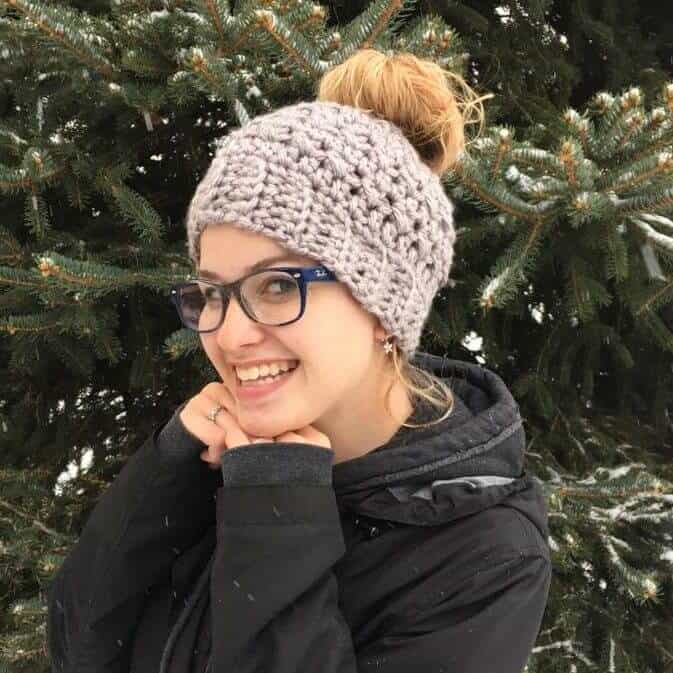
284,284
208,292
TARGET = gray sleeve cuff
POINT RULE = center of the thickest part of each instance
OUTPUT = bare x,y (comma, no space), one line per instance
176,442
277,463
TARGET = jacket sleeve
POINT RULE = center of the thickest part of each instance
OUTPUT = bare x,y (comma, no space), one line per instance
274,597
160,503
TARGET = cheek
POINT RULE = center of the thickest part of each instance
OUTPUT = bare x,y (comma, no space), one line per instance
215,356
208,347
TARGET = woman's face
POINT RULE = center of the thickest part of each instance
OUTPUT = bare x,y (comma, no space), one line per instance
341,379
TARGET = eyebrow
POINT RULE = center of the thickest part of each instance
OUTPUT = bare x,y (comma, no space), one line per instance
257,265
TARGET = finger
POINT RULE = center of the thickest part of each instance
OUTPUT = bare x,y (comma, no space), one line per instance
315,436
307,435
211,465
209,433
233,435
220,394
292,437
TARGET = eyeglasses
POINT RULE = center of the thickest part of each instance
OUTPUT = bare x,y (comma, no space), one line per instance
275,296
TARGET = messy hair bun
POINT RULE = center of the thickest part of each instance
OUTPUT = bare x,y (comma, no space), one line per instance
420,98
413,93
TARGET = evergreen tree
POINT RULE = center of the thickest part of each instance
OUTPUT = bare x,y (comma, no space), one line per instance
110,113
540,56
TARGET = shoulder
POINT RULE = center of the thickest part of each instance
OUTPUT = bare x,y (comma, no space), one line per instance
475,559
492,522
501,529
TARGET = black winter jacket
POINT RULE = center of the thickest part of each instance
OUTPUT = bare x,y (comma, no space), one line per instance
429,553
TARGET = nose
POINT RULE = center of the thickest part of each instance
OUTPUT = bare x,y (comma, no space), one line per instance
235,326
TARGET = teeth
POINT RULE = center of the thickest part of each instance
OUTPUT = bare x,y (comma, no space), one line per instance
265,370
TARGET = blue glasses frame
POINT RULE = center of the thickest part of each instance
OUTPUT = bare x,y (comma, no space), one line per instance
303,275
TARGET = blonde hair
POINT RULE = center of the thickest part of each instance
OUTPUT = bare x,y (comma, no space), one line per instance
418,96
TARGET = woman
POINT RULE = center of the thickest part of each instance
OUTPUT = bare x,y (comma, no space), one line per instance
330,520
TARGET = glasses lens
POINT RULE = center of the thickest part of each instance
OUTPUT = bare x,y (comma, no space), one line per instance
272,297
200,306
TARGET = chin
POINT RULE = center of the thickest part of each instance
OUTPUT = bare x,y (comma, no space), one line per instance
263,429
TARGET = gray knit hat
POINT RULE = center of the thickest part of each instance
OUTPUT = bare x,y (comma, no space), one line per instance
338,184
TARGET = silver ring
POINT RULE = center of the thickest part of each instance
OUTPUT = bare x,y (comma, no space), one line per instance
213,412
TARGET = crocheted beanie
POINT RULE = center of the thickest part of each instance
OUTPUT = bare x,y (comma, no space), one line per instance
338,184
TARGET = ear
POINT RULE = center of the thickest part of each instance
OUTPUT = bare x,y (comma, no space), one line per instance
380,332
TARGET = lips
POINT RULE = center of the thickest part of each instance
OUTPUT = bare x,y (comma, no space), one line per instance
260,393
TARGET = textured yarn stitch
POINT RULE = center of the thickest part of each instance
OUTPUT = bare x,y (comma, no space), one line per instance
345,187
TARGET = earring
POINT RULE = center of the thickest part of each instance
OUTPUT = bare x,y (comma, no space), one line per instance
387,345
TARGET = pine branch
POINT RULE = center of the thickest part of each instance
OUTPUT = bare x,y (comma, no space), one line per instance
29,517
65,27
220,15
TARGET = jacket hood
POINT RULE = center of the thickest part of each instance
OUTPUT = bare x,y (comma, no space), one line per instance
472,460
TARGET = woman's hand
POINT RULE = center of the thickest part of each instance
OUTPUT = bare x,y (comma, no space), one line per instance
225,433
306,435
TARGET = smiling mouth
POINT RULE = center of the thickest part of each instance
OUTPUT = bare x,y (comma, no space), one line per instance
262,379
